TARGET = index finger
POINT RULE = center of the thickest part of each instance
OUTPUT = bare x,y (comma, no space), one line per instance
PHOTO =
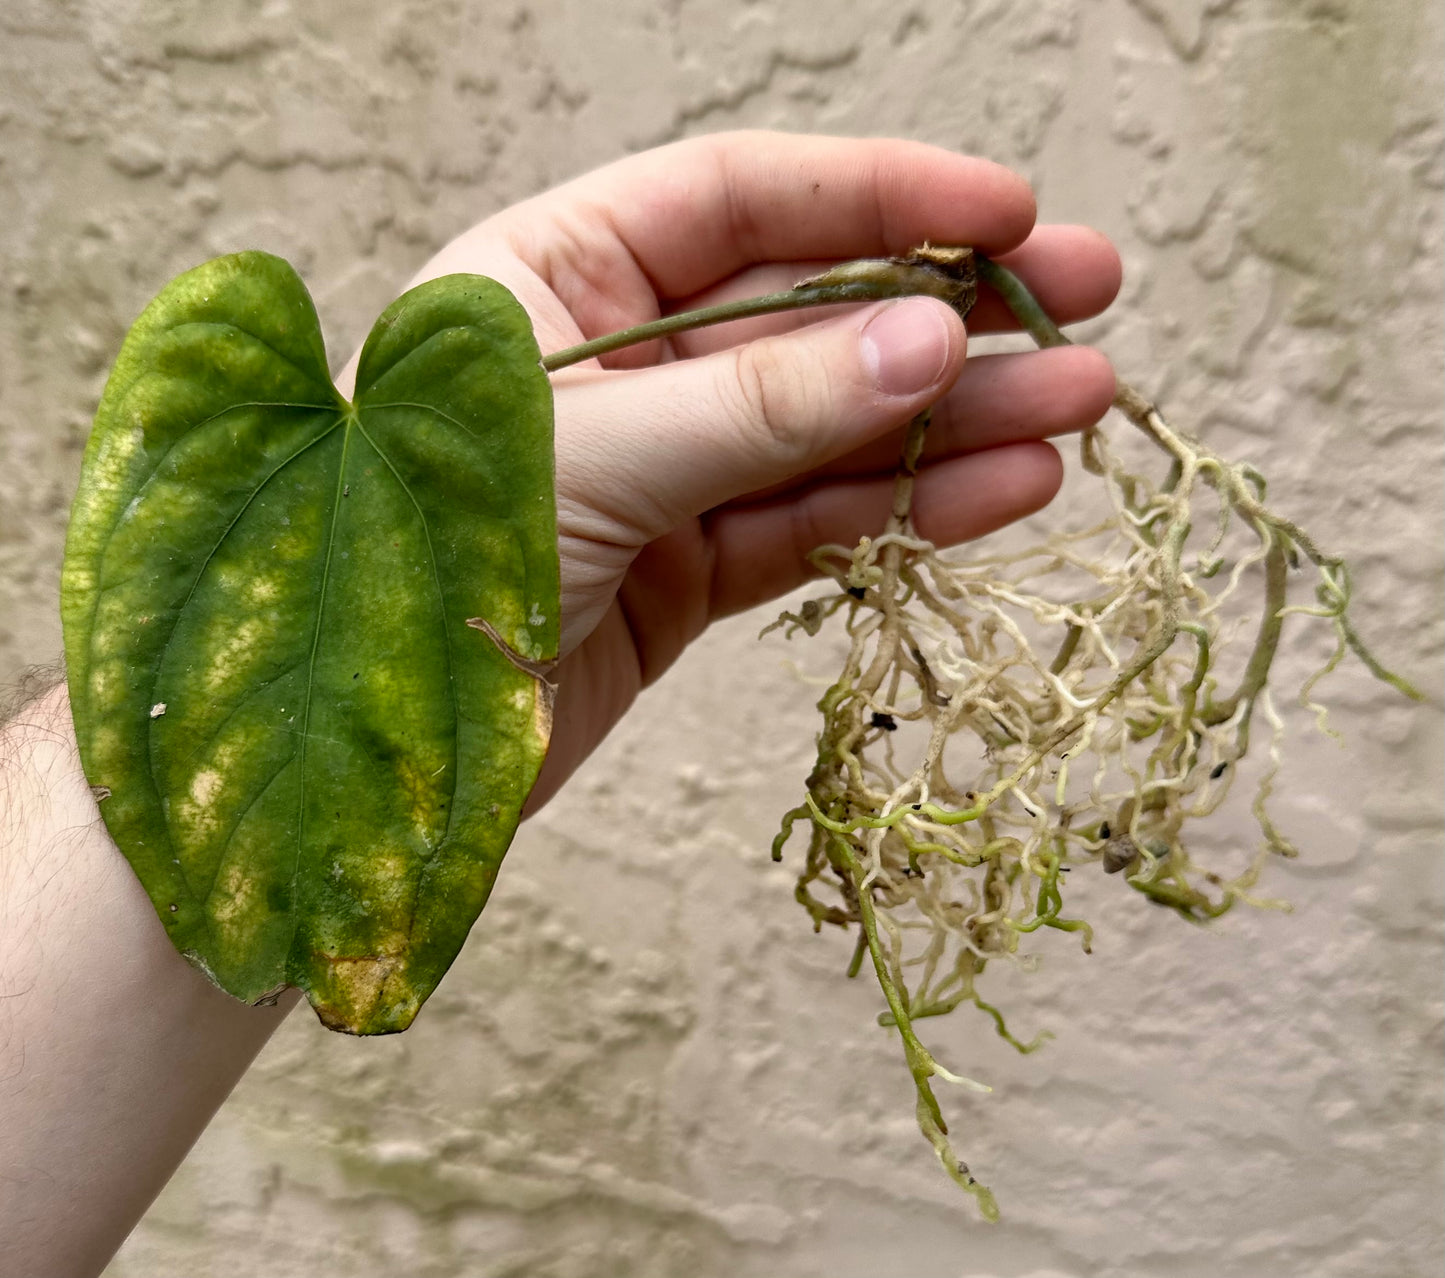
688,215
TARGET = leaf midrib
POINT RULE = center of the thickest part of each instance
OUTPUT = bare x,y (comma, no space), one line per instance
347,421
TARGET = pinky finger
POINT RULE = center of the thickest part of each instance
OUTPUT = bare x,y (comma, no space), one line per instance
760,551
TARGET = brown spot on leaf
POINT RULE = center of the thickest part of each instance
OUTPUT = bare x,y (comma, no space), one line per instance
358,995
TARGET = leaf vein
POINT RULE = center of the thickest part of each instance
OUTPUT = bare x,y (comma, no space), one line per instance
185,433
430,408
242,702
231,834
308,374
179,612
416,352
447,646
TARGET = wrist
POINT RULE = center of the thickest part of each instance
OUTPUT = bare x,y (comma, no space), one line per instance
114,1052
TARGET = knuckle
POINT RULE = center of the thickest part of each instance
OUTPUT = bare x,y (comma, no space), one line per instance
773,401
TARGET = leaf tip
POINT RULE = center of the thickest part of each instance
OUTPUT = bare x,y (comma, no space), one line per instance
363,994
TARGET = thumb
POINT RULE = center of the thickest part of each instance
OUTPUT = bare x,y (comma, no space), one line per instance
646,449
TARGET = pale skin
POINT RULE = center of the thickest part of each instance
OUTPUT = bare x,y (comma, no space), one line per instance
692,477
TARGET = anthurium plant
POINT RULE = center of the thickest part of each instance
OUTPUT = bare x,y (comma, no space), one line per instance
309,643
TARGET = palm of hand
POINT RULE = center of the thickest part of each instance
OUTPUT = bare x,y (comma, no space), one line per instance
694,475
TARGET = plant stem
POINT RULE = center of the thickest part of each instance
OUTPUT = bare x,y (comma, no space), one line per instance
944,274
1020,302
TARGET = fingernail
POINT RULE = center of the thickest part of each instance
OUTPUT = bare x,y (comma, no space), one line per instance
905,346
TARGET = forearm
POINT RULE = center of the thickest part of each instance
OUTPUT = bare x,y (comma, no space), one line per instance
114,1052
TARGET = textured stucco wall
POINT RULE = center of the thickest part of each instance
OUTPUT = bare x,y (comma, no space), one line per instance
644,1063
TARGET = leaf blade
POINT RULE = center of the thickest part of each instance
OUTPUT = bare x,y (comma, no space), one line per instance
306,571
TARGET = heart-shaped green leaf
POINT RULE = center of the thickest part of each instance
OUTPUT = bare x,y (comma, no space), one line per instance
307,639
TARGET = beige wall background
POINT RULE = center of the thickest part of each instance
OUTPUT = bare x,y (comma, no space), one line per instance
644,1062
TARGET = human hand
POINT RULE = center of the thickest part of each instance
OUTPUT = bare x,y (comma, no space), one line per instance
695,474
